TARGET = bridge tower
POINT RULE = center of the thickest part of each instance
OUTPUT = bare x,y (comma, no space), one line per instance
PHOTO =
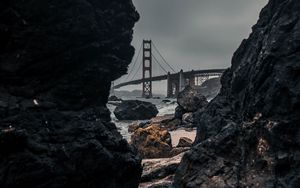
147,69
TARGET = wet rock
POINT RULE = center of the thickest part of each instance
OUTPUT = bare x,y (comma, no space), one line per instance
152,142
179,111
135,110
114,98
184,142
166,101
248,135
191,100
57,61
161,119
188,120
171,124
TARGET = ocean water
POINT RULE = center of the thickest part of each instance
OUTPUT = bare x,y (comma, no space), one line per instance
163,109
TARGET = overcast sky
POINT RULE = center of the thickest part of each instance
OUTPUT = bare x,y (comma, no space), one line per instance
194,34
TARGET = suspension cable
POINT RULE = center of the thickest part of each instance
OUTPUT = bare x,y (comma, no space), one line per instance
159,63
137,70
163,58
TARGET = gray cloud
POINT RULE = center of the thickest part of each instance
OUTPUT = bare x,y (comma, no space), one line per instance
196,34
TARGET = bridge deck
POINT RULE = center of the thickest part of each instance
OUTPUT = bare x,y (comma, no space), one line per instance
165,77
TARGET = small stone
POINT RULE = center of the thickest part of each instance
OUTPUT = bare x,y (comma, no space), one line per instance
185,142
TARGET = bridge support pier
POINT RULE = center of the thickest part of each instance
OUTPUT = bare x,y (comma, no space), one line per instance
169,86
147,69
172,85
175,84
182,81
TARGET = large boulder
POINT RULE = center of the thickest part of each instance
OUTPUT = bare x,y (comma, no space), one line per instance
249,135
57,61
152,142
190,99
135,110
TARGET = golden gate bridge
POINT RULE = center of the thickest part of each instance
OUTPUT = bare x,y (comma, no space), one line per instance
176,80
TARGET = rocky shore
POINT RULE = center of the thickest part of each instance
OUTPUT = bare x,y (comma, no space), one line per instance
161,151
57,61
162,140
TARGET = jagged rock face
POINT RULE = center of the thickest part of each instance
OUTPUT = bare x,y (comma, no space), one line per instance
65,51
57,60
249,135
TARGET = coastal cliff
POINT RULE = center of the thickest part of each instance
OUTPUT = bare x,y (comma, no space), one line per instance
249,135
57,61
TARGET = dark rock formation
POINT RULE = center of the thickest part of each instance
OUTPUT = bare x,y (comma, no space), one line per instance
191,100
57,60
152,142
188,120
179,111
135,110
249,135
166,101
